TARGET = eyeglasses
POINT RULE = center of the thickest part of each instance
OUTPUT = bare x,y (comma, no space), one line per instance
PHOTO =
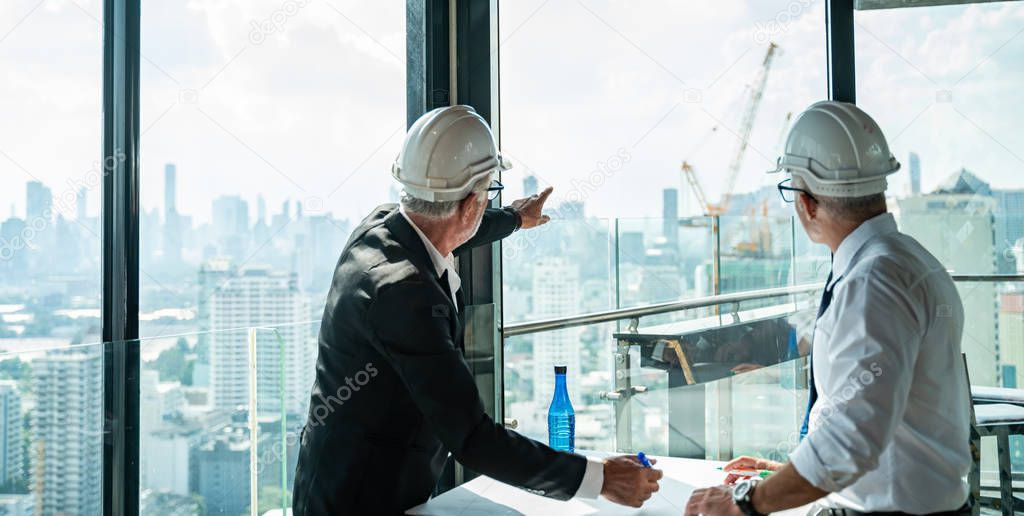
788,193
493,190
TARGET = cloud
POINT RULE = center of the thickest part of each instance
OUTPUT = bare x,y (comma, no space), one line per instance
320,101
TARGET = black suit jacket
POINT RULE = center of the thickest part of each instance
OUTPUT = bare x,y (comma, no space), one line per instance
393,393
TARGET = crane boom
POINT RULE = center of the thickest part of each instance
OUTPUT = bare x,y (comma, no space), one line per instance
698,191
746,127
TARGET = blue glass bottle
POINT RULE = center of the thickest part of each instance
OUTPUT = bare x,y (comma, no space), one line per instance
561,416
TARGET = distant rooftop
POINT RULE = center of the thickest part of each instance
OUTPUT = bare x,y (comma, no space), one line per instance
963,182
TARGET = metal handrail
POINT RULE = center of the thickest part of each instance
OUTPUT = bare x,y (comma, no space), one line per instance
985,278
561,323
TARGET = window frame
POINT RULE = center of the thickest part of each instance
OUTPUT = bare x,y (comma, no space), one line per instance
453,54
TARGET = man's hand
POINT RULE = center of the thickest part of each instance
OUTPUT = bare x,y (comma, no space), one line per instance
748,463
712,501
628,482
531,209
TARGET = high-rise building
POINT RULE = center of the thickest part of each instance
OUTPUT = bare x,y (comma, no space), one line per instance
231,225
963,208
529,185
10,433
38,201
631,247
222,472
556,292
213,273
172,243
170,190
914,164
1009,222
660,277
670,217
1011,331
12,249
66,428
285,350
81,205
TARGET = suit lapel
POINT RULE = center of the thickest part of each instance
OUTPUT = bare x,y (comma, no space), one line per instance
404,234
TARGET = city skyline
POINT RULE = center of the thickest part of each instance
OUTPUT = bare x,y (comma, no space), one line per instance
268,129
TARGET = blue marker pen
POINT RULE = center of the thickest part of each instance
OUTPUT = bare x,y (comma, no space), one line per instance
643,459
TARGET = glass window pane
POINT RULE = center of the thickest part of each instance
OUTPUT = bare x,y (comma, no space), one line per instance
942,82
605,101
51,373
268,130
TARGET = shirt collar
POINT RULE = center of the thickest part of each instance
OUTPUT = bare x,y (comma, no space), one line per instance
441,263
878,225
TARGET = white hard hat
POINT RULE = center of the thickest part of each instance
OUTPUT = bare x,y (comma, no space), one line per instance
838,151
446,151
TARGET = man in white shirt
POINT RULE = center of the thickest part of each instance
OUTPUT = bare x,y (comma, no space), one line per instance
888,419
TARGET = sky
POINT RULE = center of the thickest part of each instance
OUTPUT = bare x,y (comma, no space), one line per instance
305,99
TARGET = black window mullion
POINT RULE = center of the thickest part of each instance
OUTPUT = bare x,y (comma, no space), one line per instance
120,271
841,71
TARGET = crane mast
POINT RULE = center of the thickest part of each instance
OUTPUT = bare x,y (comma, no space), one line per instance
747,127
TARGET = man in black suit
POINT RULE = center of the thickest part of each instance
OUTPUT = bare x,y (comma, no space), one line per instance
393,394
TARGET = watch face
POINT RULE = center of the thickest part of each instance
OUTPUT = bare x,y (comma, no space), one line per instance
740,491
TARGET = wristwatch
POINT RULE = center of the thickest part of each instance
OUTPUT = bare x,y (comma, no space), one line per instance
743,496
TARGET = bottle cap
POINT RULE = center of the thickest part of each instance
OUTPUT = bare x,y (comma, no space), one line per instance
559,369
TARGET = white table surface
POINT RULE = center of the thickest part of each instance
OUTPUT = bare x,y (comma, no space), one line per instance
486,496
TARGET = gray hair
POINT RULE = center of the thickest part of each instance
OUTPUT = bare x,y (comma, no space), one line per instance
848,209
444,209
854,209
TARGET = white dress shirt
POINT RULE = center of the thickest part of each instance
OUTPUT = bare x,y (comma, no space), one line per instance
889,431
441,263
593,477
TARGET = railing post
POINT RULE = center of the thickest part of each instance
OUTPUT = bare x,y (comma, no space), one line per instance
253,428
616,271
624,387
716,257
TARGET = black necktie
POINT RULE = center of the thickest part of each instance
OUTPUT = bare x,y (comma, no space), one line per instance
446,286
812,392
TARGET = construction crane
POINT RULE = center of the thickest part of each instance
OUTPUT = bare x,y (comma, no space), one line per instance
698,191
746,128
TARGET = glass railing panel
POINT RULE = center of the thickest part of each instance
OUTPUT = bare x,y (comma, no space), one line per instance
529,381
662,260
755,252
285,372
669,387
194,434
220,418
51,416
704,372
560,268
